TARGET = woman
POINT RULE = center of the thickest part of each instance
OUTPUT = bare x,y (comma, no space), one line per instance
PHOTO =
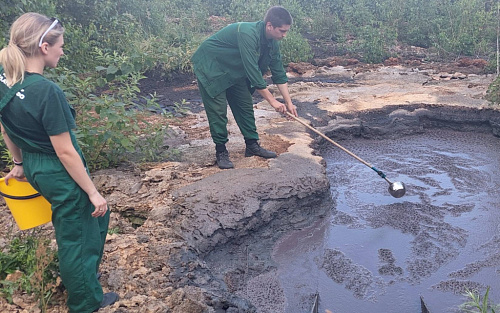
37,124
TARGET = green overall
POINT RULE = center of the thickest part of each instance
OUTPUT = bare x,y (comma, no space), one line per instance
80,237
229,66
240,101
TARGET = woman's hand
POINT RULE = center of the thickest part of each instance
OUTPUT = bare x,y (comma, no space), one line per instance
100,204
17,173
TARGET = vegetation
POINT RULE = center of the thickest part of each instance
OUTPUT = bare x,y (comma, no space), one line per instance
163,34
493,93
31,263
478,303
113,126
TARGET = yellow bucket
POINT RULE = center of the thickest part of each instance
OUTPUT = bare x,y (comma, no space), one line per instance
27,206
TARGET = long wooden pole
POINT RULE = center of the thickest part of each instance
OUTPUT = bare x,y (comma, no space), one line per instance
330,140
379,172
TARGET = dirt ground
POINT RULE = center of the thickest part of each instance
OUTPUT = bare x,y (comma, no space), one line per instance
168,216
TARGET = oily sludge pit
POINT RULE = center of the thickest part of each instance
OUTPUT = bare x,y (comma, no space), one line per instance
380,254
376,253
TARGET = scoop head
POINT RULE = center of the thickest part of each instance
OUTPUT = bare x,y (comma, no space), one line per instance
397,189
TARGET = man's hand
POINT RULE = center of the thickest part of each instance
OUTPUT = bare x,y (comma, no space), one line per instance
278,106
292,109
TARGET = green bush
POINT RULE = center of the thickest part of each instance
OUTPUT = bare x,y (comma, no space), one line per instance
112,126
295,48
327,26
466,28
249,11
372,44
493,92
12,9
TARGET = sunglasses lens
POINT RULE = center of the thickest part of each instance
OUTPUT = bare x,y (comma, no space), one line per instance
58,21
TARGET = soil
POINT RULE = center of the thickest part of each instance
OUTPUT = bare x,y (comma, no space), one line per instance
172,217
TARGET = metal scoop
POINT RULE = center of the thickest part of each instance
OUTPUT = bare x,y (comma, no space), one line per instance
396,189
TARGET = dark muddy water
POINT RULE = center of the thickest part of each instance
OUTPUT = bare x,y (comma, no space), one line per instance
379,254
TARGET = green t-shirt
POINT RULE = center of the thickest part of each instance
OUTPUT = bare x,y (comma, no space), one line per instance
38,112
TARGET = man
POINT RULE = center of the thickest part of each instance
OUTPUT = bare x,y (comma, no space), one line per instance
230,66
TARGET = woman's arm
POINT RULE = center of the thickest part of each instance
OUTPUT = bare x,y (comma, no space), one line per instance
17,171
72,162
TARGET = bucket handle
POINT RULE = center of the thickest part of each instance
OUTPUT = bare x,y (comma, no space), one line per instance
19,197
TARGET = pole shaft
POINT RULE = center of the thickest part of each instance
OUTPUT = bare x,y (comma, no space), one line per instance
329,140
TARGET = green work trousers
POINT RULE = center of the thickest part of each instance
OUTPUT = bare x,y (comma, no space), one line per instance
240,101
80,237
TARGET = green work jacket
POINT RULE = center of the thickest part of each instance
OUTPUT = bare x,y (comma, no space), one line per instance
238,51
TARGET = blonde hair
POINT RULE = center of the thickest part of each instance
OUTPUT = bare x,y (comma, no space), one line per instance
25,34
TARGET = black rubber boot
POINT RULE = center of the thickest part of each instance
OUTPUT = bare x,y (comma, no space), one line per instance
108,299
223,161
253,148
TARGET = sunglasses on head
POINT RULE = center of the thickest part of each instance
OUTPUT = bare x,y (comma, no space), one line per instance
54,23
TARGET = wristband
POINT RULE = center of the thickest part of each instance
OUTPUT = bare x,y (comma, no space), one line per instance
16,162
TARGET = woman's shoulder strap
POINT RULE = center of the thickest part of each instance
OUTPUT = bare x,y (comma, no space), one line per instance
18,86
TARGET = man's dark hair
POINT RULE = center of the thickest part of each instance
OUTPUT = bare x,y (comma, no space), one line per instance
278,16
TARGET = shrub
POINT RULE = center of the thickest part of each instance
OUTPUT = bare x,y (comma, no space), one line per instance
295,48
493,92
112,125
326,26
372,44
